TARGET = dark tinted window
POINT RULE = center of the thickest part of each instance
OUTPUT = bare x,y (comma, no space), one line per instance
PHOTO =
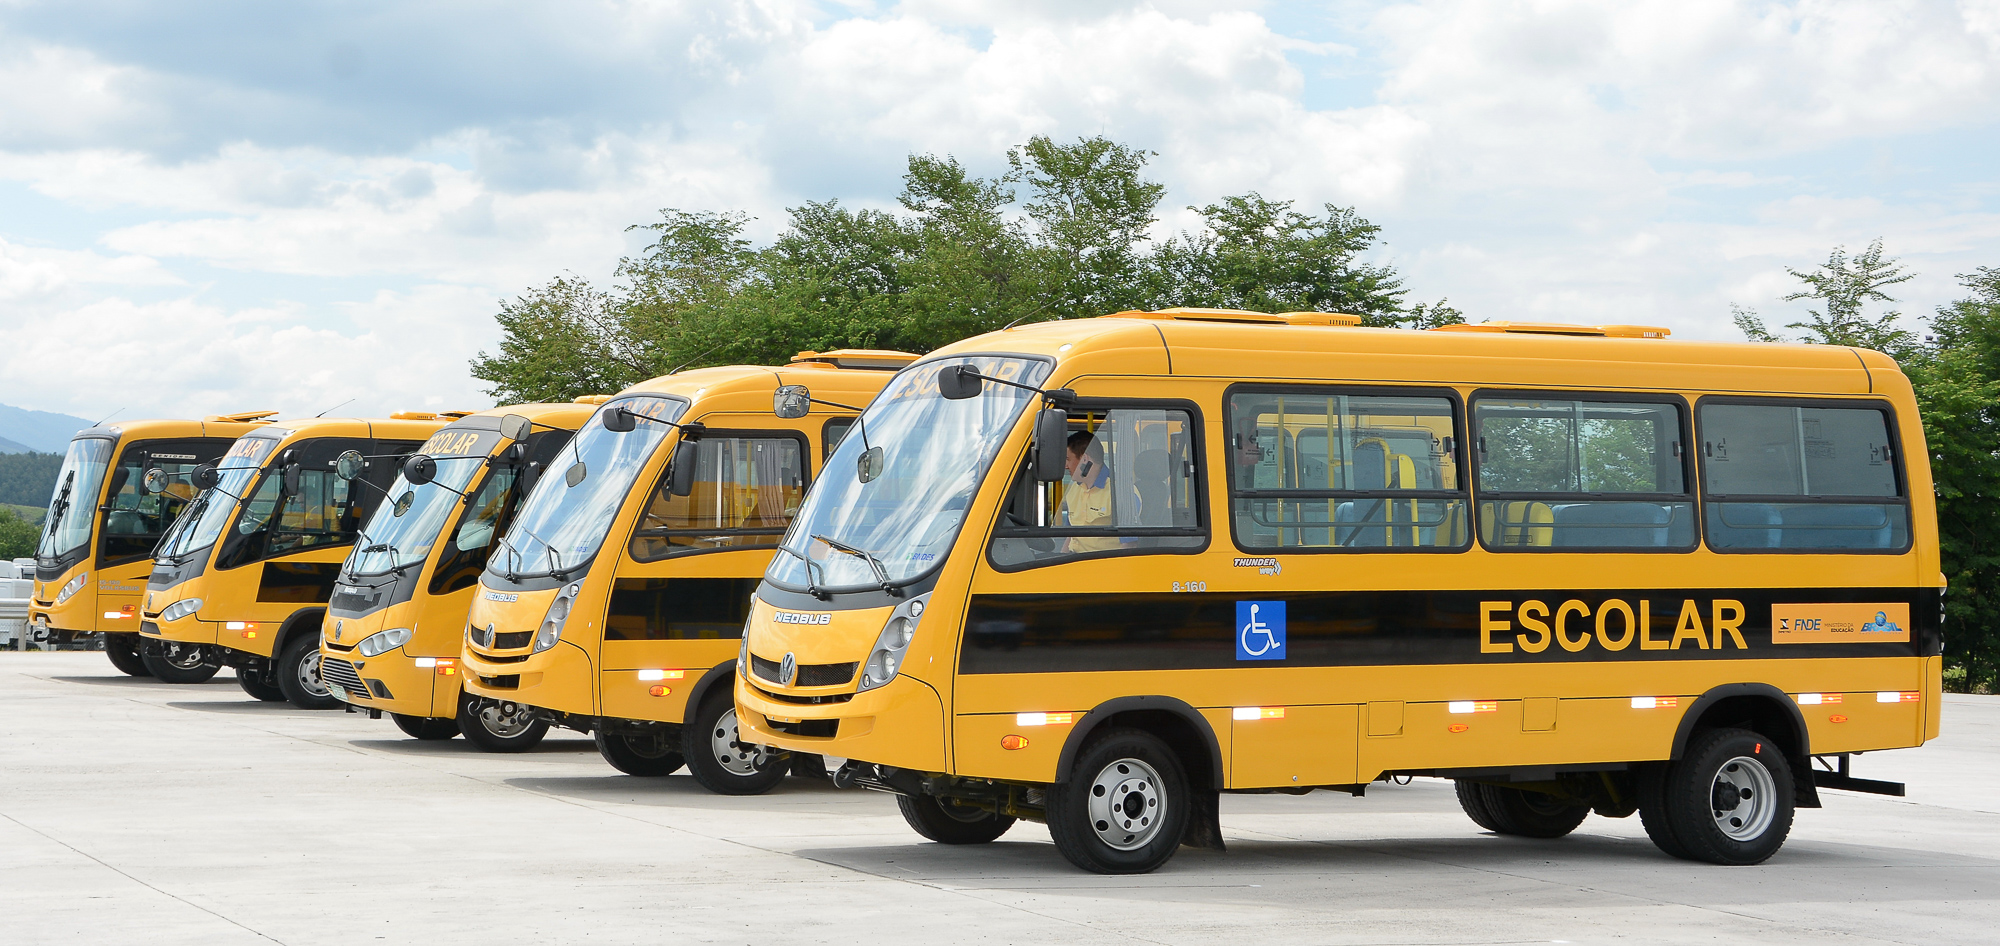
1558,472
1790,476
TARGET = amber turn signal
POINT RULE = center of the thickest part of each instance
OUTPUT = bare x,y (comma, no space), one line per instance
1011,741
1459,727
659,690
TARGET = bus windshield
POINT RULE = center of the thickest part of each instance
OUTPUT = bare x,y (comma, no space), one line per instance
73,504
896,489
565,520
202,523
401,533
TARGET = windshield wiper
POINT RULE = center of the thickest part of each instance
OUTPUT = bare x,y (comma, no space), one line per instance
874,564
556,569
812,587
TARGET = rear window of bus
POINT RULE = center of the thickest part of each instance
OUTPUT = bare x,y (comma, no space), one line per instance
1567,471
1794,475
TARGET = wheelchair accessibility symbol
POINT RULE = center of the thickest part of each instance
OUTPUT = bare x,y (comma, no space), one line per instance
1260,630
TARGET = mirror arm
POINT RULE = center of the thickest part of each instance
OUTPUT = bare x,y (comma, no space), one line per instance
844,407
1058,397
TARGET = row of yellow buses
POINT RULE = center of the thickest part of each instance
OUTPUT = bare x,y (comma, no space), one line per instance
1098,573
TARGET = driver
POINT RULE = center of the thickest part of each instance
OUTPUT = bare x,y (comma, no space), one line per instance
1086,501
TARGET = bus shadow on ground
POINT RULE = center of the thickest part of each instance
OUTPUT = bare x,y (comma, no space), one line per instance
249,707
122,680
434,747
678,790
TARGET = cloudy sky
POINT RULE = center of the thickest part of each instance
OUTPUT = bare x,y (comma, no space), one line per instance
233,205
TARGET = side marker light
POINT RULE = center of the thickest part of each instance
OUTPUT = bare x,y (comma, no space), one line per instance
1257,712
1817,699
645,675
659,690
1044,719
1655,702
1472,706
1011,741
1897,696
1836,718
1459,727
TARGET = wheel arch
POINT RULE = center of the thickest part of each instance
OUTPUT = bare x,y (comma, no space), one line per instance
722,674
293,626
1180,725
1761,708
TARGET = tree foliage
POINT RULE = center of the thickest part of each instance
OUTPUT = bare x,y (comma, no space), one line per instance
18,536
1955,370
1065,232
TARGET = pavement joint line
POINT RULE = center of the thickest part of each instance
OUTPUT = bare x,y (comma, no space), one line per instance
128,876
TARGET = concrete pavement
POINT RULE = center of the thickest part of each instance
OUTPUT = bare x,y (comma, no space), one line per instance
138,812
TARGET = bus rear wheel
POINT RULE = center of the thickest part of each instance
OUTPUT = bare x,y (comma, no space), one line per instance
499,726
123,649
719,760
649,755
1505,810
256,681
175,662
427,728
1727,800
297,670
948,822
1124,807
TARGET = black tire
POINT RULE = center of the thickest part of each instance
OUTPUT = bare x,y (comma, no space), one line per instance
123,649
1473,801
297,670
176,662
948,822
427,728
648,756
1653,811
1141,787
499,726
1523,813
256,682
1729,798
720,763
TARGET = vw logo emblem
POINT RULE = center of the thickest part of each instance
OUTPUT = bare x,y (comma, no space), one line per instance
788,669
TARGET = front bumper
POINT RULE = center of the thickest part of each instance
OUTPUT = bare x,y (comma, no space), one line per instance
392,682
558,679
901,724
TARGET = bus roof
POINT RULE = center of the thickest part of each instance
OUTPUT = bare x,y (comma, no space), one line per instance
1226,344
404,425
749,387
223,425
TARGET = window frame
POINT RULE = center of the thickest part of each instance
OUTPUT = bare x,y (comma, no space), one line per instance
827,443
1691,493
1459,419
1197,447
667,471
216,445
1895,433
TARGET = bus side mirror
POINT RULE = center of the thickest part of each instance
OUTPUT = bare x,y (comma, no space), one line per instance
348,465
618,420
686,459
205,476
1051,444
515,427
293,474
791,402
958,382
419,469
155,481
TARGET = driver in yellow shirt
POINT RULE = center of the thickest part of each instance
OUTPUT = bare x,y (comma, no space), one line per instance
1086,499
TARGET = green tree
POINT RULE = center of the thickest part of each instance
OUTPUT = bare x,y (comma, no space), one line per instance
1843,286
1092,208
18,536
560,341
1262,255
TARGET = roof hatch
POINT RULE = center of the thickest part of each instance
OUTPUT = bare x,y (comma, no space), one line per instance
1562,328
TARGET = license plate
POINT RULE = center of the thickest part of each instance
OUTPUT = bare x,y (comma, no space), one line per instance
339,693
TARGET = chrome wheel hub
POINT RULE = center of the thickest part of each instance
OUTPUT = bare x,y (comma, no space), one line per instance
182,657
505,720
1125,805
736,758
309,676
1743,799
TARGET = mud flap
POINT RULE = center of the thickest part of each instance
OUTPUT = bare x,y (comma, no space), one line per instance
1204,825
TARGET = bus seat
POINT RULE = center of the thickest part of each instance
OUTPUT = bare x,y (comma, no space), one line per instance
1834,527
1611,525
1517,523
124,522
1350,516
1743,526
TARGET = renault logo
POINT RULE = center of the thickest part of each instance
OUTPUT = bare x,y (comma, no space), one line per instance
788,669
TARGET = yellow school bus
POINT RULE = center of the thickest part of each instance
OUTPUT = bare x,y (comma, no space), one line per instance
104,518
389,642
1103,570
242,579
615,603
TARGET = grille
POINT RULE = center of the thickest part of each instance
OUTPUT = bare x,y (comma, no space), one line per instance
512,640
807,700
340,673
811,728
810,675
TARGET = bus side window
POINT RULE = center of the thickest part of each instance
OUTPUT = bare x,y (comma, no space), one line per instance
1132,488
745,491
1785,475
1557,473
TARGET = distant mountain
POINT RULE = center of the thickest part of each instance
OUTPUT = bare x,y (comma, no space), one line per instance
41,431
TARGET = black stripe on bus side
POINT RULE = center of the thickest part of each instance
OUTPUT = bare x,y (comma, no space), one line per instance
1052,633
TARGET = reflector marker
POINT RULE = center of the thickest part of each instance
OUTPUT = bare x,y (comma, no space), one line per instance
115,615
1817,699
1044,719
1898,696
1655,702
238,626
425,663
1258,712
1472,706
662,674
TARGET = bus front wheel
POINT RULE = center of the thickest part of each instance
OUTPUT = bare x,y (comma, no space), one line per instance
176,662
1505,810
1124,807
427,728
256,681
648,755
498,725
1727,800
948,822
297,670
719,760
123,649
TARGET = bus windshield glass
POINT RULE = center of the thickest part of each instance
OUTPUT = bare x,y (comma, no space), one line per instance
401,533
565,520
202,523
896,489
73,505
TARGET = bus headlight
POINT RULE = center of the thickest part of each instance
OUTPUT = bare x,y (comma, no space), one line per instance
552,624
885,659
180,609
375,645
71,587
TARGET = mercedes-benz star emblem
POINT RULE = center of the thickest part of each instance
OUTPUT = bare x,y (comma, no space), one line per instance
788,668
